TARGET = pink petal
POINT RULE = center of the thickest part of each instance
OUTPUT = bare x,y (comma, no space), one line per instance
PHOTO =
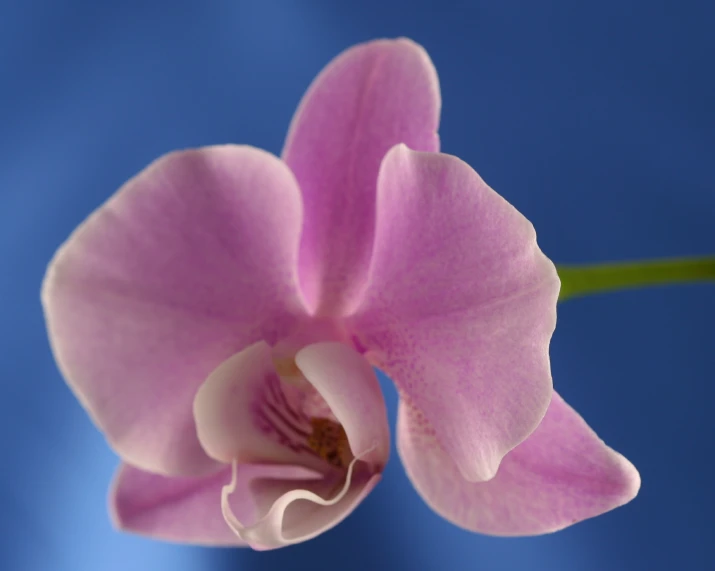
562,474
366,100
239,407
460,307
349,386
184,510
189,262
291,504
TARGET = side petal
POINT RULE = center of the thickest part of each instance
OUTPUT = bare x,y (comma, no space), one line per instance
189,262
349,386
562,474
291,504
460,307
366,100
183,510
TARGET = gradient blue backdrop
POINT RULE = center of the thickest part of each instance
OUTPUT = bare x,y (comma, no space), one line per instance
595,119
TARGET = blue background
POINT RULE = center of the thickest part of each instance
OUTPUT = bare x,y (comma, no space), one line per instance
595,119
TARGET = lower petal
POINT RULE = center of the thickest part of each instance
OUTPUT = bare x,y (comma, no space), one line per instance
183,510
562,474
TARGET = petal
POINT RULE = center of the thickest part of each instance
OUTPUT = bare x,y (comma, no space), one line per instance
184,510
189,262
366,100
243,412
291,504
460,307
562,474
348,384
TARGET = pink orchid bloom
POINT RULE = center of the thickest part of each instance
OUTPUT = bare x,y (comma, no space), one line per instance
220,317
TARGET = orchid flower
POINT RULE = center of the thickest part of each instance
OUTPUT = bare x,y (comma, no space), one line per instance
222,315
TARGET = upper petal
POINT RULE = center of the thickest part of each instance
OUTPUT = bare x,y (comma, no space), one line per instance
366,100
187,263
562,474
460,307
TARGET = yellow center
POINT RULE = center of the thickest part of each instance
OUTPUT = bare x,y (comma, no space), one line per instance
286,367
329,441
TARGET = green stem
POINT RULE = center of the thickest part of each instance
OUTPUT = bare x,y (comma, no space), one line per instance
582,280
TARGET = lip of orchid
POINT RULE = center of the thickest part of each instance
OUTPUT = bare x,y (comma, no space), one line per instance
293,408
326,440
254,534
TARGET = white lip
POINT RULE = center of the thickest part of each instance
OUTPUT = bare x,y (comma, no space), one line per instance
269,532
